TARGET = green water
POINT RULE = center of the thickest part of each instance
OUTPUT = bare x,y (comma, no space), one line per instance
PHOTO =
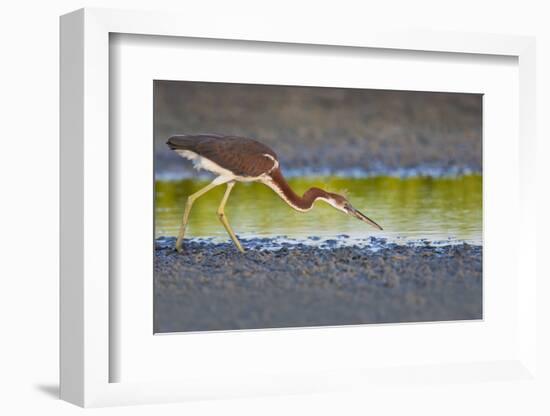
407,209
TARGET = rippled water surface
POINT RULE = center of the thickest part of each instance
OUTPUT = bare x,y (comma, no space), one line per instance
408,209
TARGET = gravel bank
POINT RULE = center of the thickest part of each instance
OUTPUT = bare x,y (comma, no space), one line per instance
211,286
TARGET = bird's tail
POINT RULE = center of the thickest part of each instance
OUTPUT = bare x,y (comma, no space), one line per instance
180,142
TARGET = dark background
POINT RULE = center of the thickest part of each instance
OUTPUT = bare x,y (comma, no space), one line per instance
326,130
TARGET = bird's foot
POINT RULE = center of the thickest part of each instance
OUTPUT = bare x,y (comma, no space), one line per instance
237,243
179,242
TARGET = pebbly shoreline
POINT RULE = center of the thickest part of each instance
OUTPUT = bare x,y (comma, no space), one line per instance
277,284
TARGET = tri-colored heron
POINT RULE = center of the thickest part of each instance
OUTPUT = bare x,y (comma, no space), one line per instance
240,159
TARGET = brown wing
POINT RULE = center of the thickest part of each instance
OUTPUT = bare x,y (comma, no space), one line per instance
240,155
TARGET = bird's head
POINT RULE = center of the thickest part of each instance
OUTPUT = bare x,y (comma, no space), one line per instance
341,203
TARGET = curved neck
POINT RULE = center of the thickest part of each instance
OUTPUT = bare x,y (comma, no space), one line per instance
283,189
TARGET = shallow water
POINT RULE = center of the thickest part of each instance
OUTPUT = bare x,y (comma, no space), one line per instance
409,209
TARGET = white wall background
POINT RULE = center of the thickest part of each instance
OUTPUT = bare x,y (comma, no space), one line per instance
29,204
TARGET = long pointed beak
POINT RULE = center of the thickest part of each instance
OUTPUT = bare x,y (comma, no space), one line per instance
359,215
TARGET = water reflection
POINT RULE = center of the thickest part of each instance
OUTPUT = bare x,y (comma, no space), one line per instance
411,208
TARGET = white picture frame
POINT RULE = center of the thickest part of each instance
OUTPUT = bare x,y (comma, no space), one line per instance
86,356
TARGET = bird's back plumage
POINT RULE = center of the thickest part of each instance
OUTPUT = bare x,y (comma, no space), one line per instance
242,156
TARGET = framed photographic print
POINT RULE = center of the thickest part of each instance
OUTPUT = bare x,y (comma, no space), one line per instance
413,159
271,213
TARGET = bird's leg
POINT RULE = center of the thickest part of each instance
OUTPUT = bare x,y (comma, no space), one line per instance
223,218
188,205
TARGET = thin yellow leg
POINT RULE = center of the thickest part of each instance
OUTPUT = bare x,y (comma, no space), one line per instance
190,200
223,217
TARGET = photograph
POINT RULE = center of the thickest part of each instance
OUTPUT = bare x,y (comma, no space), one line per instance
289,206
